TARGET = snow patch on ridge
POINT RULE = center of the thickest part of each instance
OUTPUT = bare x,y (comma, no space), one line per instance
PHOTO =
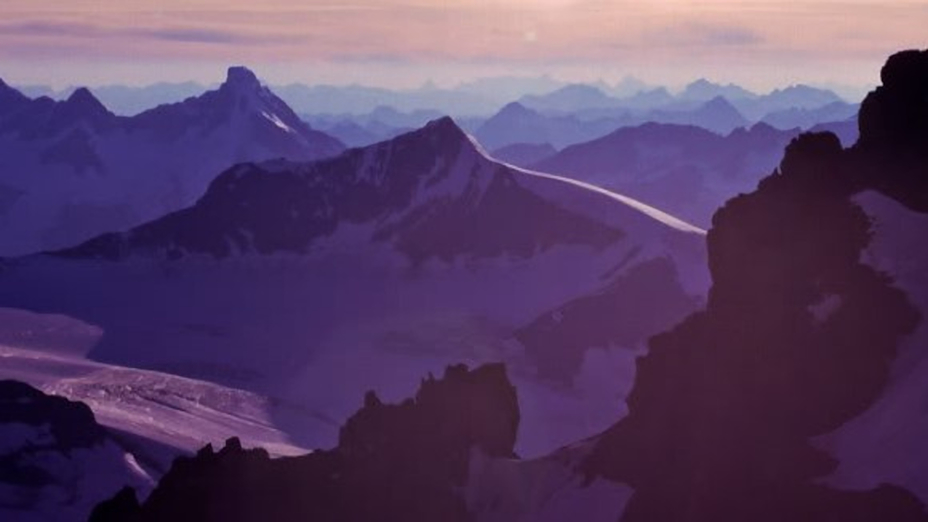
273,118
643,208
886,443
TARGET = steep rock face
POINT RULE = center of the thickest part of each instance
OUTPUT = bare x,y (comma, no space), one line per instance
894,131
407,461
797,339
56,461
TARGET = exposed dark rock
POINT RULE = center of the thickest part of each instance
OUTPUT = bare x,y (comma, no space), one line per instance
71,423
402,462
124,507
725,405
893,146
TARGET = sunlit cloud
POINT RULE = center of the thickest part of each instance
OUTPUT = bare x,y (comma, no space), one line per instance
681,33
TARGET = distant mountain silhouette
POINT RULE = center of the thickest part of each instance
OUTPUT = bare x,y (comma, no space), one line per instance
383,123
685,169
524,154
807,118
569,98
717,115
516,123
793,97
415,252
704,90
846,130
358,99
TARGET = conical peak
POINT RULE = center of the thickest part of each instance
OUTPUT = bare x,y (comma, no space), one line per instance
84,102
240,77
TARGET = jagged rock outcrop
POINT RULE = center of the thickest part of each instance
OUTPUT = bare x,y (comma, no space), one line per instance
56,461
405,461
797,338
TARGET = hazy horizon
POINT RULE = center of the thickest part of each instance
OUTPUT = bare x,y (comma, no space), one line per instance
758,44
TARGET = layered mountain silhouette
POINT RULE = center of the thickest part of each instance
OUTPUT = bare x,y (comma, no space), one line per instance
570,98
798,337
704,90
524,154
70,170
806,118
685,170
810,307
518,123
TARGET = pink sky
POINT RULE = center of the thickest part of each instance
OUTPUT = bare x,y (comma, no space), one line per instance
760,43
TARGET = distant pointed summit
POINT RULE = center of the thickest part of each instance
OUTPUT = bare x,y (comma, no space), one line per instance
515,109
240,77
83,101
445,131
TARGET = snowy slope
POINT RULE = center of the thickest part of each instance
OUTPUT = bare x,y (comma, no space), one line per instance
315,282
886,443
71,170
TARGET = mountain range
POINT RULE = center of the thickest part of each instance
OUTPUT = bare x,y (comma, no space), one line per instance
787,397
395,253
71,169
621,361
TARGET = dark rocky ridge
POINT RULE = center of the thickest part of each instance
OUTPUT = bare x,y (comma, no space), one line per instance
404,462
273,207
45,118
725,405
70,425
